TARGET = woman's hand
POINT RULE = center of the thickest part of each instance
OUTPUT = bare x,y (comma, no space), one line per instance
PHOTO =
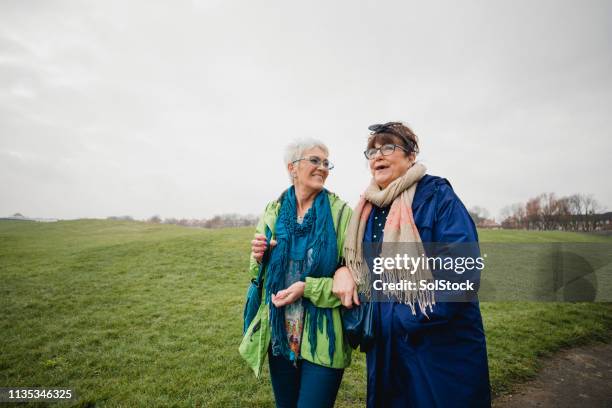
259,245
289,295
344,287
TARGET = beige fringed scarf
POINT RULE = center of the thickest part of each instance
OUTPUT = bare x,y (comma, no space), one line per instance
399,228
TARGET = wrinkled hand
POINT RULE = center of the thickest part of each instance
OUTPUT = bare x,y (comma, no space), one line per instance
259,245
289,295
344,287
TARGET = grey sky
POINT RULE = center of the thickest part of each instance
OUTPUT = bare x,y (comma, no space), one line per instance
183,108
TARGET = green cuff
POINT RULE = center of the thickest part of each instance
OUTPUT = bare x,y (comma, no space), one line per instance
309,287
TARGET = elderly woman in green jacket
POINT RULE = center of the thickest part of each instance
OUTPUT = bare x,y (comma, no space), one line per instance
298,324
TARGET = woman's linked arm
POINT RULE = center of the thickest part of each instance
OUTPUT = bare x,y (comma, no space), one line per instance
341,289
344,287
319,292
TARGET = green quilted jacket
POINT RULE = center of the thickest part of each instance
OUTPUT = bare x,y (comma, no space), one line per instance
255,343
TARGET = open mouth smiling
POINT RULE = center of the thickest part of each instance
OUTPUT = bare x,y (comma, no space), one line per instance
380,166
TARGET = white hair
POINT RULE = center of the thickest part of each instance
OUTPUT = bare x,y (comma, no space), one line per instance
296,149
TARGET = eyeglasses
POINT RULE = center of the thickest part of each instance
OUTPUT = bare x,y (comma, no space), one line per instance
385,150
317,161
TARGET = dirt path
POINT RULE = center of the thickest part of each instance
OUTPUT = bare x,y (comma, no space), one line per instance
580,377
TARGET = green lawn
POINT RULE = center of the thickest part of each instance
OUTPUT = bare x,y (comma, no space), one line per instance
133,314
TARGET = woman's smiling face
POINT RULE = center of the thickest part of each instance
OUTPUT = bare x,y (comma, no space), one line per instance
306,175
386,169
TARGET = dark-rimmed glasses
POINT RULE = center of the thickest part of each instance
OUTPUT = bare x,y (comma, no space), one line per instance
385,150
317,161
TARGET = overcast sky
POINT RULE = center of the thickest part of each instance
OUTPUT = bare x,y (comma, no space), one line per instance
183,108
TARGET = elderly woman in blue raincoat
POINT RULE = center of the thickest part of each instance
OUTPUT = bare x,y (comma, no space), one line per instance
298,325
426,352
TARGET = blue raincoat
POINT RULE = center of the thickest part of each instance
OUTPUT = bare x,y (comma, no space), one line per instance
435,362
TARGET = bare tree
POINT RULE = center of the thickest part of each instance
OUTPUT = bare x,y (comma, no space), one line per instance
575,209
549,211
156,219
533,213
564,214
478,214
591,206
513,216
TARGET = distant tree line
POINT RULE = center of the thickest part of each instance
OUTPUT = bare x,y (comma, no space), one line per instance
577,212
121,218
218,221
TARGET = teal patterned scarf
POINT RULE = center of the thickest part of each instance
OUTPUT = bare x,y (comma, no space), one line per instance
319,228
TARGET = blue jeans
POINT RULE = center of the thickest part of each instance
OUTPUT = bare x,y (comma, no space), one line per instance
308,385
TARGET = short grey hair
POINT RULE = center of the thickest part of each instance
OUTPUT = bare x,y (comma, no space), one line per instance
296,149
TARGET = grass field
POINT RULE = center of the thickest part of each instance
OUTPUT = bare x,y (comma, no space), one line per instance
134,314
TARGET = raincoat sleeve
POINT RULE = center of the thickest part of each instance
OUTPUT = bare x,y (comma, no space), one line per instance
452,224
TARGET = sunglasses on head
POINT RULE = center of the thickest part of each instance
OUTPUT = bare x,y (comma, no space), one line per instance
382,128
389,127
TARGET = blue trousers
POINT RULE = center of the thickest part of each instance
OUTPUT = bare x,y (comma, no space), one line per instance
306,386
